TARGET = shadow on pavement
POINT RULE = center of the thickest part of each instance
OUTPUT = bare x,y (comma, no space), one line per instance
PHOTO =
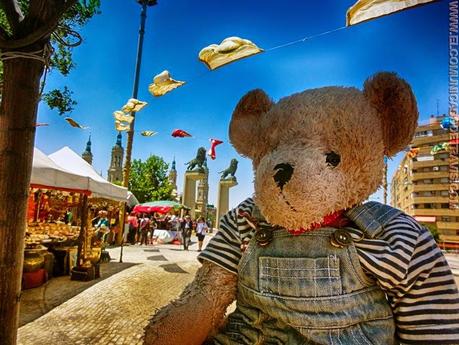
173,268
37,302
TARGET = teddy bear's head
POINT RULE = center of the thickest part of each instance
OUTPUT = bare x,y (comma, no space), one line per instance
322,150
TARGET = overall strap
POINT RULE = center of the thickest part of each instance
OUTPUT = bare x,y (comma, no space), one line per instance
372,216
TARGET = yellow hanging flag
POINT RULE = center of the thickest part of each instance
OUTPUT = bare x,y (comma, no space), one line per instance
229,50
122,126
364,10
123,117
133,105
163,83
148,133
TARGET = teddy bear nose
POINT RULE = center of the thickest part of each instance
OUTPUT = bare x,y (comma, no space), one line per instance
284,172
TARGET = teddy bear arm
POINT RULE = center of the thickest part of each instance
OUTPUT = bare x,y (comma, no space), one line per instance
198,312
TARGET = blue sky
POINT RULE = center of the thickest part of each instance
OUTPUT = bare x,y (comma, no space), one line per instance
412,43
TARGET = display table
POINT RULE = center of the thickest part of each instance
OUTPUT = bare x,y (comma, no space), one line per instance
165,236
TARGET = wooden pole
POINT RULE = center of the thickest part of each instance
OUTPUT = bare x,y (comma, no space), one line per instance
84,220
385,181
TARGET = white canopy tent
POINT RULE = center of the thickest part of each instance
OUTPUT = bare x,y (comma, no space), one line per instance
46,173
99,187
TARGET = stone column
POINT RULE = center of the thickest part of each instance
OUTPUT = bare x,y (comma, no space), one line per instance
223,197
189,190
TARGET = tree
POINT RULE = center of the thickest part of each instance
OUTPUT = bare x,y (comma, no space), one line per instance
27,29
148,180
433,230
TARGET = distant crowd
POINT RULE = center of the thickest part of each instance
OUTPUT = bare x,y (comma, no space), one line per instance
142,228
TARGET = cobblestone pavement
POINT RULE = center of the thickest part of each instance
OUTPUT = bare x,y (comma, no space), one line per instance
116,310
38,301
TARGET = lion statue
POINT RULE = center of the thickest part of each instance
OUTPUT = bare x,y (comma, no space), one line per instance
231,170
199,161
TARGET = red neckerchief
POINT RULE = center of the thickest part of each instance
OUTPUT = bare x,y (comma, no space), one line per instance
333,220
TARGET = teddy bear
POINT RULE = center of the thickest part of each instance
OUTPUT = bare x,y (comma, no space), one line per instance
306,259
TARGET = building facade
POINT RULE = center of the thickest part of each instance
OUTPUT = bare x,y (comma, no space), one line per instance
115,171
421,185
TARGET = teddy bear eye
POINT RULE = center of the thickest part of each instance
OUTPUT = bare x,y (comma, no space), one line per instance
333,159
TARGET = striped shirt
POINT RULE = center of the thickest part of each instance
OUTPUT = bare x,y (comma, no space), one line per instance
403,258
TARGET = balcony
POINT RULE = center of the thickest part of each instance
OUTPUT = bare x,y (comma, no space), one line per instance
430,175
448,226
429,164
430,199
429,140
429,187
434,212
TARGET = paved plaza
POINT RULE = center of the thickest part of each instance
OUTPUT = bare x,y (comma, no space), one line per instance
115,310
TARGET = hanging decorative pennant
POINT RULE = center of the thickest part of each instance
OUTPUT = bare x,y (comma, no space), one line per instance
447,123
439,148
163,83
121,126
213,144
412,153
180,133
148,133
229,50
123,117
133,105
75,124
364,10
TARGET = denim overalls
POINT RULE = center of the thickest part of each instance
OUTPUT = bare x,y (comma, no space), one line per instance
302,290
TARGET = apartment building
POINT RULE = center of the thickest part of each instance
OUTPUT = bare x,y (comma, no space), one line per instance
420,187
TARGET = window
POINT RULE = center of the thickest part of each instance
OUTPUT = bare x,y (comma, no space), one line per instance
444,193
445,219
444,180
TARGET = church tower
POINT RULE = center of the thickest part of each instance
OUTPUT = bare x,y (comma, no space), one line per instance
173,179
173,175
115,172
87,154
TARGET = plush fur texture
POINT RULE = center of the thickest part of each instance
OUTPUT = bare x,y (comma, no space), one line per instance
197,313
301,129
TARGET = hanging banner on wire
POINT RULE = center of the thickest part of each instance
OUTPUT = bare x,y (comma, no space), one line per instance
148,133
229,50
213,144
364,10
163,83
133,105
180,133
75,124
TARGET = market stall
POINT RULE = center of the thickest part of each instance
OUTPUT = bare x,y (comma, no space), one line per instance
59,234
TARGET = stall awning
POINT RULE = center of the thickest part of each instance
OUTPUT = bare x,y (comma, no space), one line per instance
47,174
99,187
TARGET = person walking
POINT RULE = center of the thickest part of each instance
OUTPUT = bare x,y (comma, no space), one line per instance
133,226
144,228
201,230
186,232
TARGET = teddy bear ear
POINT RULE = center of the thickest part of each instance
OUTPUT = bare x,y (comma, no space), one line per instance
245,123
395,103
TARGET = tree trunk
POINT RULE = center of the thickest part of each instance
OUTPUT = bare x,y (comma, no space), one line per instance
18,113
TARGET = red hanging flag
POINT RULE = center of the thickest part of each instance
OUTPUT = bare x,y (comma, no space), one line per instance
213,144
180,133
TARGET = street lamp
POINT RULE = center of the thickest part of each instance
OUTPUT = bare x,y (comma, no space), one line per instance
130,134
